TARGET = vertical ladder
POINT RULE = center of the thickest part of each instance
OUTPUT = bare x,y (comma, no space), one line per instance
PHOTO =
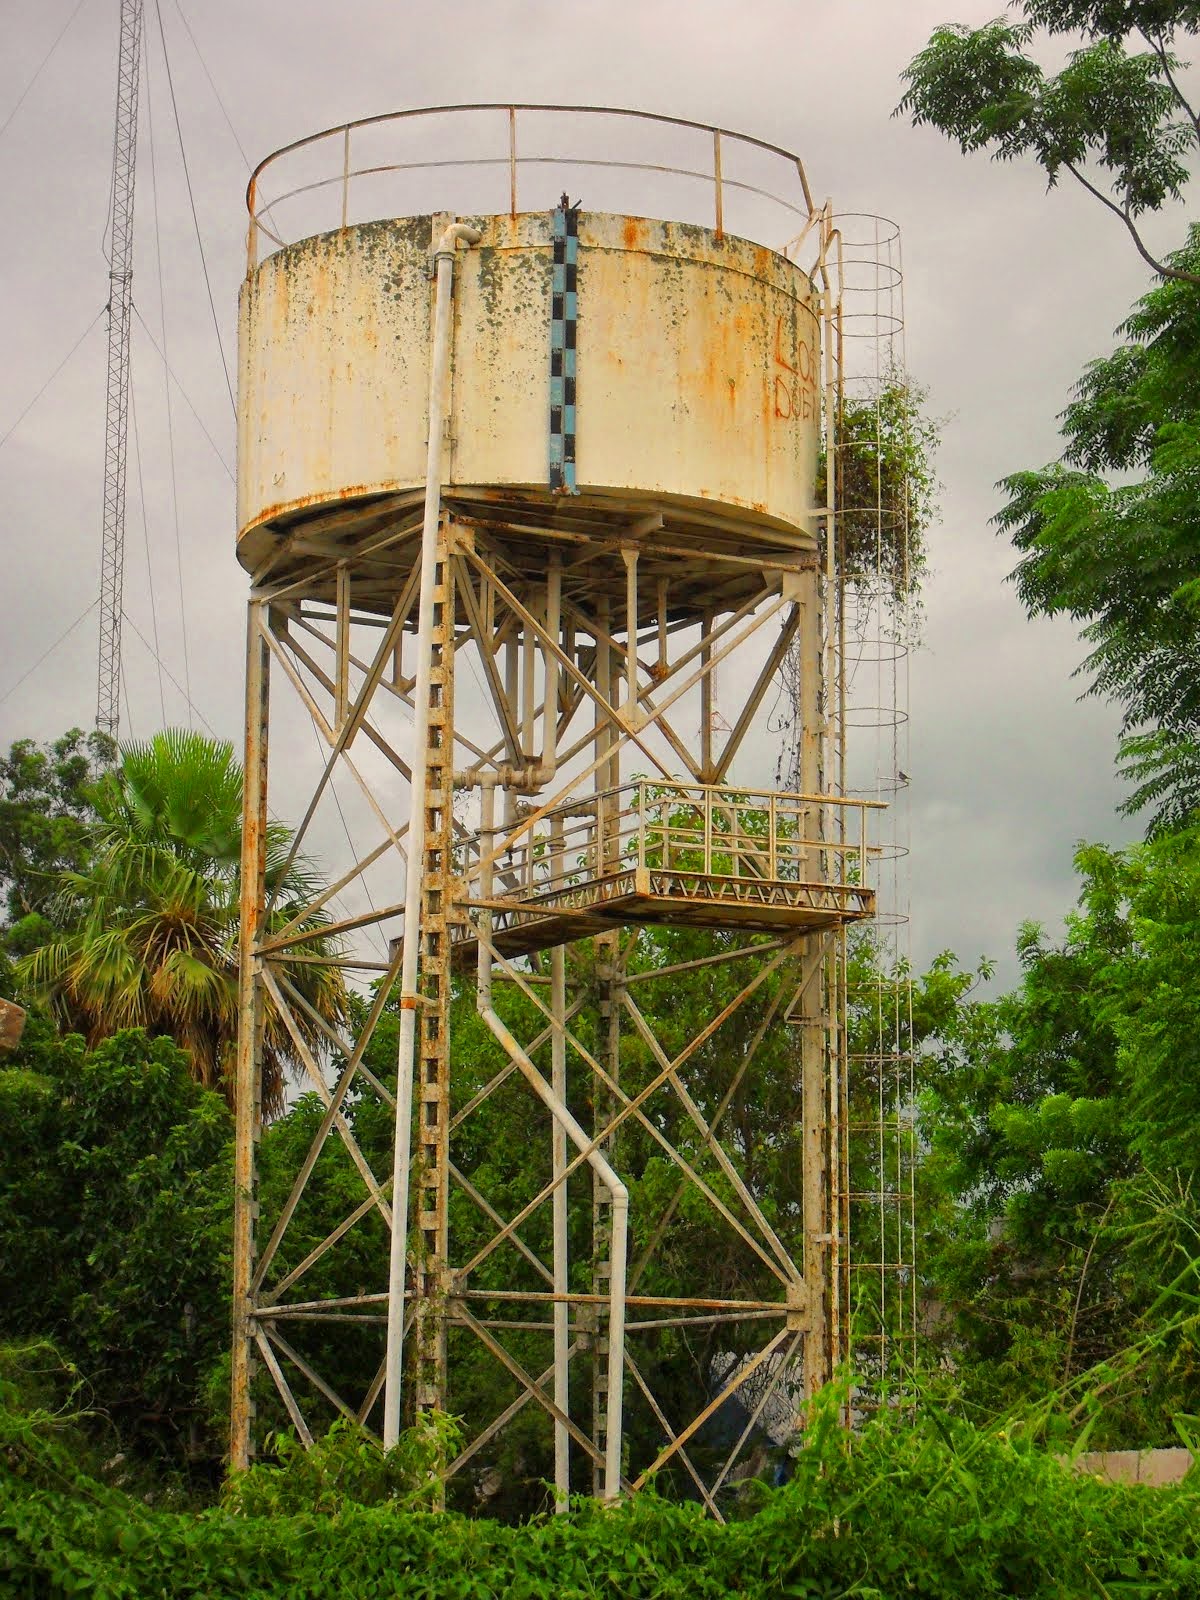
433,1044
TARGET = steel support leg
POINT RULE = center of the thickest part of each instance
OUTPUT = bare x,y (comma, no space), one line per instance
248,1085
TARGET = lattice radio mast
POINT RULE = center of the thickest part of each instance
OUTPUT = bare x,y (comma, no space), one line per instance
120,314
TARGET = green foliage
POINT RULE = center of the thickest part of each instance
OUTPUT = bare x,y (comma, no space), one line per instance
1121,558
1107,535
1115,117
150,921
114,1220
934,1509
1061,1191
886,485
347,1467
887,489
46,806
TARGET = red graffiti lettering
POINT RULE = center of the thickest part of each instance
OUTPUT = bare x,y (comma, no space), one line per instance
779,356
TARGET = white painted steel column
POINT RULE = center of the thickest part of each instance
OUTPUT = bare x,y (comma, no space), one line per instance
558,1151
438,392
558,1063
630,554
618,1193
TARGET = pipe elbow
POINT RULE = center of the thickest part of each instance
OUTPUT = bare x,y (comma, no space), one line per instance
457,233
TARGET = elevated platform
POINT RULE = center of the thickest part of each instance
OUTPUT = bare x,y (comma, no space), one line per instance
668,855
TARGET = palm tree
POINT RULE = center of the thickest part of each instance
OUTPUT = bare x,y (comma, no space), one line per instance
153,919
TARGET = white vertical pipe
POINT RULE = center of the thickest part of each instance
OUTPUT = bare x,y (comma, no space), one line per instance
512,691
554,1102
558,1082
558,1064
528,687
619,1195
618,1260
439,373
631,626
706,699
549,761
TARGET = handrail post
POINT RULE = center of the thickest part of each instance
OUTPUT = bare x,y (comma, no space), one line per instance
512,162
641,802
557,859
346,177
862,846
252,231
772,864
720,196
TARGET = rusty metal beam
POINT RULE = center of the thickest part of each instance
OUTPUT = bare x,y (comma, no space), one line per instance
248,1082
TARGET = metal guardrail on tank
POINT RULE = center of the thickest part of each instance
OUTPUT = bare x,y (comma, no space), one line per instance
730,191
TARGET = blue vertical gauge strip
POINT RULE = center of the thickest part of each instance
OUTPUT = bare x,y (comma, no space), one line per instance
563,321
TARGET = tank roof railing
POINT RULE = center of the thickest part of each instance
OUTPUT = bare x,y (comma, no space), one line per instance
723,143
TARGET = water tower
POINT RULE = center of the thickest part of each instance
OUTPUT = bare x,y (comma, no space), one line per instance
533,493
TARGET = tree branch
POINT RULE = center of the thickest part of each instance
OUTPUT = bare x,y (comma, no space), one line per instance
1118,211
1158,46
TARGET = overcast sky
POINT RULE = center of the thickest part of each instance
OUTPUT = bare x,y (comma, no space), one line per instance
1009,291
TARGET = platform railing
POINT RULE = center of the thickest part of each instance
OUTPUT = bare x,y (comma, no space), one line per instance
326,165
688,831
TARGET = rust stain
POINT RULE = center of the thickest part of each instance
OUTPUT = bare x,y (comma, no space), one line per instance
326,497
633,233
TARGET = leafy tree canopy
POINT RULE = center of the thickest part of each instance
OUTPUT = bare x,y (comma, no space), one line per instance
150,919
1120,556
115,1200
1061,1193
1115,118
47,797
1108,534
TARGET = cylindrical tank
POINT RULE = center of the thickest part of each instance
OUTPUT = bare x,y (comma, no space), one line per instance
697,388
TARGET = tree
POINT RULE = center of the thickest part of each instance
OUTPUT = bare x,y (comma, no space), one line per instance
1107,534
1114,118
151,919
115,1201
45,815
1061,1191
1121,557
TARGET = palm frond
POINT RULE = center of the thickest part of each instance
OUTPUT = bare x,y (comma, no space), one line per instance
154,916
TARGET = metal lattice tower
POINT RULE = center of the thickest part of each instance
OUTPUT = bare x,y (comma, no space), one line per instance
116,418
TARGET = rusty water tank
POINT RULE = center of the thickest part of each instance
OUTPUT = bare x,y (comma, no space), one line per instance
697,391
